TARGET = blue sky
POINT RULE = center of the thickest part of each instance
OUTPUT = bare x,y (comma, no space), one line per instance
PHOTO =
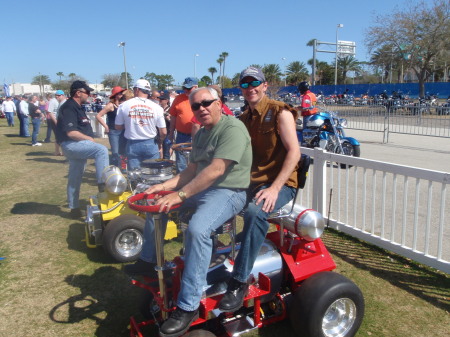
47,36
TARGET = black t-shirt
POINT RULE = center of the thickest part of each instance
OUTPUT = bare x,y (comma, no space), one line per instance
32,110
72,117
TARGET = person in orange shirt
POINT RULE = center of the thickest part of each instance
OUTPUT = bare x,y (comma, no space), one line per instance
181,120
309,101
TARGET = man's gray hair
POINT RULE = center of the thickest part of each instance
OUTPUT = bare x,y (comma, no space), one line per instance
211,91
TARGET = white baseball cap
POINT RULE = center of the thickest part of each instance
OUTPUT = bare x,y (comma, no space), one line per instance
142,84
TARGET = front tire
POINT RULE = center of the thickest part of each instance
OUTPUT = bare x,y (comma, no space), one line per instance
349,150
327,305
123,237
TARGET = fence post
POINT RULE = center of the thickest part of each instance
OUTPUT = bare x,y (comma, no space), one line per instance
386,126
319,180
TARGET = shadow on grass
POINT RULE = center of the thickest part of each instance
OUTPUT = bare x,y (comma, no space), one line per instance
32,207
106,297
433,287
76,240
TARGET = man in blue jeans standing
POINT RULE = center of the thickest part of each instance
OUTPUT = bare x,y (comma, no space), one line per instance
75,134
214,184
181,120
140,117
276,153
35,115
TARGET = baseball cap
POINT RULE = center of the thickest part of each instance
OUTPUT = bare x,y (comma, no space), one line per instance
80,85
189,82
254,72
59,92
116,90
142,84
165,96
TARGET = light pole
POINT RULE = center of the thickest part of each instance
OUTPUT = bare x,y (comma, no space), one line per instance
195,64
122,44
284,73
340,25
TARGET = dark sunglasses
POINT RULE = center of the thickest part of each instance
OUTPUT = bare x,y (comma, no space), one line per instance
57,95
85,92
205,104
252,83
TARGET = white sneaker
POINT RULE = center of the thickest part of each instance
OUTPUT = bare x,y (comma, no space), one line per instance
36,144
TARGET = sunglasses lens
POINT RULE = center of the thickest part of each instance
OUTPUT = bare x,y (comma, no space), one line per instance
205,104
244,85
255,83
195,106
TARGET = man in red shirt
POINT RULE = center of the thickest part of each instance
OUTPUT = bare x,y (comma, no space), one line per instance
181,120
308,104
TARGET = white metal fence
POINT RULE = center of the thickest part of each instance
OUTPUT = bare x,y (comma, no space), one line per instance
399,208
403,120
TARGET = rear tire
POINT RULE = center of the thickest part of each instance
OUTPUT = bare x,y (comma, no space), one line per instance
327,305
123,237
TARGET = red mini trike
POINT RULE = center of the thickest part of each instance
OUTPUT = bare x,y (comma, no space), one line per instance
291,278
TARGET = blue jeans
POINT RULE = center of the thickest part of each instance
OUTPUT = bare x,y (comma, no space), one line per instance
254,232
10,117
26,131
77,153
49,130
115,138
207,217
36,127
139,150
167,144
181,160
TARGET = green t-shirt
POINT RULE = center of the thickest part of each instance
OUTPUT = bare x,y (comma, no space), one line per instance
228,139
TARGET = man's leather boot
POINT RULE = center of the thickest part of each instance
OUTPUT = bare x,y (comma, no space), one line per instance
178,323
234,297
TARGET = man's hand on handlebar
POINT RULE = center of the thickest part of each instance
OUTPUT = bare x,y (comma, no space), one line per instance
166,202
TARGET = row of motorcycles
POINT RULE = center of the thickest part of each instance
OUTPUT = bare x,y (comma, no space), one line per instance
326,130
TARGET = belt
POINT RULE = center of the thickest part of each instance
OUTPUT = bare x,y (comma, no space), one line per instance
184,134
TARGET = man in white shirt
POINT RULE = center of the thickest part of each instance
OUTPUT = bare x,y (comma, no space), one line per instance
24,112
140,117
9,108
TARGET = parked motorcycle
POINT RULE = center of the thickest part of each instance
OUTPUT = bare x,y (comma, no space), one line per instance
326,130
444,109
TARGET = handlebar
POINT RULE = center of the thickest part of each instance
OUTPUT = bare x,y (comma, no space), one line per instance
148,208
182,147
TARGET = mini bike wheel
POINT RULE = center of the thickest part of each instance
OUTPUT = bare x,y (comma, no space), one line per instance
327,305
123,237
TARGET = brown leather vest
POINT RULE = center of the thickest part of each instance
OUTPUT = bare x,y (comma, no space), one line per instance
268,149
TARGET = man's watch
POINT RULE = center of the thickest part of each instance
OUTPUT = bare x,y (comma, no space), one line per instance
182,195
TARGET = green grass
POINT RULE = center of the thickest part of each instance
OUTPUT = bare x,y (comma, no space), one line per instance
51,284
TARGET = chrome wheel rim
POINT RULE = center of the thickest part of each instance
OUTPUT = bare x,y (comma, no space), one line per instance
339,318
129,242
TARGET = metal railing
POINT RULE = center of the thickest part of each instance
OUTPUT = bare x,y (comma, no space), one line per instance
399,208
404,119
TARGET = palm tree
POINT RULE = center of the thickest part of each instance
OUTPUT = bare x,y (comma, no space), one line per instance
272,73
60,74
220,61
296,72
346,64
224,55
212,70
72,76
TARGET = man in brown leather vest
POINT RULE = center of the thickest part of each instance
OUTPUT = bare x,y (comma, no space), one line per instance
276,152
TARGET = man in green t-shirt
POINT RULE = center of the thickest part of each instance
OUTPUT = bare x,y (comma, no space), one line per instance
214,184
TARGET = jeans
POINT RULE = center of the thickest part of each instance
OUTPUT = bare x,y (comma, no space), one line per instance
116,138
77,153
254,233
36,127
207,217
20,117
181,160
26,122
167,144
139,150
10,117
49,130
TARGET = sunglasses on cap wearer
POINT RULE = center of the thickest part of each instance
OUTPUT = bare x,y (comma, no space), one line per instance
252,83
205,103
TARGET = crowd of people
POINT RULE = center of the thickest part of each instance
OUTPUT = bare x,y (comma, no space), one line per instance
235,164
